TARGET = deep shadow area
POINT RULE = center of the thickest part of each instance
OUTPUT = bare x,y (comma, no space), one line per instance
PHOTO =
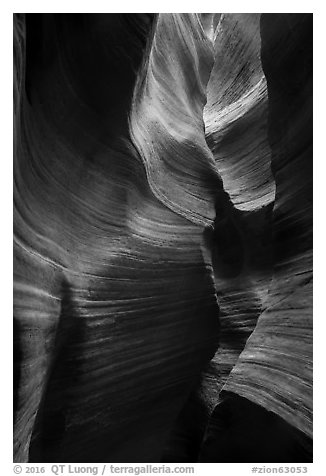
242,432
89,63
51,421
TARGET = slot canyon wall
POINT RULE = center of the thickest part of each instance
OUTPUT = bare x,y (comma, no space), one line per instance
162,237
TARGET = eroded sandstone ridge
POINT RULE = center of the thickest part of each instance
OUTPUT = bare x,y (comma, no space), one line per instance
162,237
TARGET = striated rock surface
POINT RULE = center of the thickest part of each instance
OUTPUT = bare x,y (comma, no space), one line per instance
236,131
162,237
274,371
283,333
115,303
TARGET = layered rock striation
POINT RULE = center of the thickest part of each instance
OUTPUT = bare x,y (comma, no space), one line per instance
162,235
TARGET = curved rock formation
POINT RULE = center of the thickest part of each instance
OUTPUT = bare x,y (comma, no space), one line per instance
284,331
275,368
154,155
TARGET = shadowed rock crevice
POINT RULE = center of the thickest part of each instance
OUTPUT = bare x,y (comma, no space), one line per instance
242,432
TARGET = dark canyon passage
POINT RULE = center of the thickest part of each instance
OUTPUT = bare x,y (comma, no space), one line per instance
162,237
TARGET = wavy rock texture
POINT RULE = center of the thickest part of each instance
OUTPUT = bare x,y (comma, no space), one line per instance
275,368
115,302
154,156
236,131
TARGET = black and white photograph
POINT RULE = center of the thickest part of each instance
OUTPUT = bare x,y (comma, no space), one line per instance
162,241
